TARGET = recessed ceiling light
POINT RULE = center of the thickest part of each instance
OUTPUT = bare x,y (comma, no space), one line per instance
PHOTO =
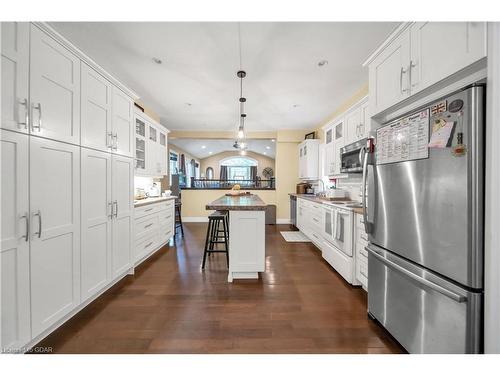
273,140
188,104
157,60
265,153
203,146
209,152
268,147
296,105
322,63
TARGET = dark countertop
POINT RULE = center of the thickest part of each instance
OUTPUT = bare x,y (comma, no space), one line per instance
249,202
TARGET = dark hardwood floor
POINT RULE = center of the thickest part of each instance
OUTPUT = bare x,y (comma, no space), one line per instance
299,305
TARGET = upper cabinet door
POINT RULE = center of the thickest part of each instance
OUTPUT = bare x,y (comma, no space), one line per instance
14,241
364,127
54,89
439,49
96,110
122,185
352,122
123,124
15,63
389,74
55,231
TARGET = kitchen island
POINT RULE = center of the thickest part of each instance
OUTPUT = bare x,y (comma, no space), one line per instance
247,243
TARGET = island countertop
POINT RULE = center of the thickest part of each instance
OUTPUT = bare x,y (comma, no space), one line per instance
249,202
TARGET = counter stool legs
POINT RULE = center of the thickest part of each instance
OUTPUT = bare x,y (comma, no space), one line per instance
215,236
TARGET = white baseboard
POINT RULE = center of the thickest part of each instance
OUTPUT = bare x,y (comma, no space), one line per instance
195,219
283,221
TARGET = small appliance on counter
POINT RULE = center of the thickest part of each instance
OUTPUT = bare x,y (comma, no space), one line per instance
302,188
154,190
335,193
140,194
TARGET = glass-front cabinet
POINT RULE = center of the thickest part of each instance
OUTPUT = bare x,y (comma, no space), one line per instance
140,144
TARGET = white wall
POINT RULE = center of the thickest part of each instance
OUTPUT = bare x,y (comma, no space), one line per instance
492,204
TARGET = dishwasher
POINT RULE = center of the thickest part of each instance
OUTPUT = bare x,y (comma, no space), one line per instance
293,210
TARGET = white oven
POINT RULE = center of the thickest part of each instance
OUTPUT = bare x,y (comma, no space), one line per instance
338,226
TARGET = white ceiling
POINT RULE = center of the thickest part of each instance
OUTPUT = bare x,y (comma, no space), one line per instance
195,147
200,61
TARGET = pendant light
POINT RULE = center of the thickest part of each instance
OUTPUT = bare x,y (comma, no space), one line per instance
242,100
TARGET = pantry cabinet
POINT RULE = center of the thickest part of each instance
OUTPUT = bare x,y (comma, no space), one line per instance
15,65
96,127
419,55
54,89
55,231
14,241
97,215
122,186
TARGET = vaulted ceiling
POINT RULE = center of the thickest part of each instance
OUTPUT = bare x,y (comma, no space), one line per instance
195,87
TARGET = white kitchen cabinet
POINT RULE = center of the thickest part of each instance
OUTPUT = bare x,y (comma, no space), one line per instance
122,123
364,127
96,221
361,254
54,89
329,154
152,165
162,152
352,125
122,185
309,159
96,128
388,74
140,145
151,141
465,43
419,55
14,241
55,231
338,143
15,65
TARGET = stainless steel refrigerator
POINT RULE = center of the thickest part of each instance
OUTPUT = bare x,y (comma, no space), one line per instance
424,218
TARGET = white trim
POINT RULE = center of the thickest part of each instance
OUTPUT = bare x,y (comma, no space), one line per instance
195,219
283,221
393,35
46,28
492,198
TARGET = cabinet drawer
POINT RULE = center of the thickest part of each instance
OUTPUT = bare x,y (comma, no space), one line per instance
145,224
363,269
167,205
165,234
147,210
316,238
360,248
166,215
145,245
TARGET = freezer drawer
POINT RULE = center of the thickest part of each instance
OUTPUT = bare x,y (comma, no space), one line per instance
424,312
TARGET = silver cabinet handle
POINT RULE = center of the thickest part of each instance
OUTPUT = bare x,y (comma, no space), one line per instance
24,103
438,288
115,205
148,245
401,72
147,226
149,209
115,142
39,108
39,214
412,65
109,140
110,209
27,231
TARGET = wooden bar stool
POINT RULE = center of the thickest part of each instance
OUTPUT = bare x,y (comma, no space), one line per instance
215,235
178,219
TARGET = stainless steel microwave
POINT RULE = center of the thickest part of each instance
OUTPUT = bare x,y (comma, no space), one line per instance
351,157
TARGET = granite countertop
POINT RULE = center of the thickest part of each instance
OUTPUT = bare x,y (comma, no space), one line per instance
145,202
250,202
339,202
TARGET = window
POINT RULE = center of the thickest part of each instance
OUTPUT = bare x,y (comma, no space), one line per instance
238,167
173,165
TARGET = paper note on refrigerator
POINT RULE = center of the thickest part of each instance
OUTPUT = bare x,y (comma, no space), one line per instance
441,135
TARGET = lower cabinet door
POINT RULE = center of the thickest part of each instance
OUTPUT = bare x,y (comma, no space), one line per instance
123,210
55,231
14,241
96,221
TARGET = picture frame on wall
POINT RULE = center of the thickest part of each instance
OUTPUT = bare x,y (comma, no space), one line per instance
311,135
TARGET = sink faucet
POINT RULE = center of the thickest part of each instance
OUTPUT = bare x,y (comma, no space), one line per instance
322,183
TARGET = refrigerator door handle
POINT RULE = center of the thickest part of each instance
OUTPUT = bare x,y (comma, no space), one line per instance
363,197
438,288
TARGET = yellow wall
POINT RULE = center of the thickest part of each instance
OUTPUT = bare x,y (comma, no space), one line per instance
214,162
194,201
